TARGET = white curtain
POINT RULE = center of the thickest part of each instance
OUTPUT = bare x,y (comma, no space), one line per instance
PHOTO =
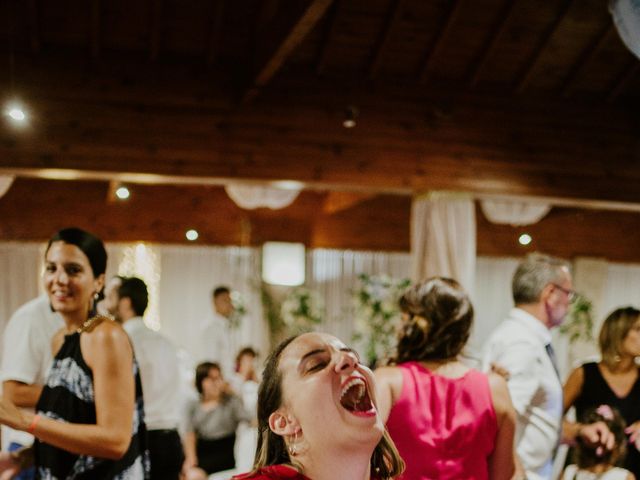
20,264
511,212
334,275
443,237
189,274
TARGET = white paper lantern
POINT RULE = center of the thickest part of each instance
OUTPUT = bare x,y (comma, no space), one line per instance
283,263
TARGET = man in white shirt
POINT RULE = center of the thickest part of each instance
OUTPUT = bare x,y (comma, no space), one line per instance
521,344
216,343
26,357
127,299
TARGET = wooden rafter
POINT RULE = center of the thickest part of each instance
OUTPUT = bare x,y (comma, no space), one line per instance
491,41
623,80
303,22
532,62
329,34
34,29
339,201
95,29
440,36
393,17
156,29
589,53
214,34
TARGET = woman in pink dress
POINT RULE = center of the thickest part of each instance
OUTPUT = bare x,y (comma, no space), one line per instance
447,420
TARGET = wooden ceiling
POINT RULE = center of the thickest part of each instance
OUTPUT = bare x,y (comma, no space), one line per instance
494,97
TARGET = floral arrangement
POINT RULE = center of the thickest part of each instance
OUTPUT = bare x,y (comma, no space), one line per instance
239,310
377,314
579,322
301,309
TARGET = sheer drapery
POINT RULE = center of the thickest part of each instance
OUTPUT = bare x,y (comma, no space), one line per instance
512,212
443,237
334,275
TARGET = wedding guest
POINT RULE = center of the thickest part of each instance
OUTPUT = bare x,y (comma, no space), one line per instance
215,332
613,381
89,421
317,416
245,383
126,298
593,465
448,421
212,423
26,357
542,290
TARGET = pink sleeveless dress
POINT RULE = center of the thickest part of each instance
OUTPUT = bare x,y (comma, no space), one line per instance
444,428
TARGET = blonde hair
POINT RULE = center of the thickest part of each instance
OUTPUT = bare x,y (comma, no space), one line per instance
613,332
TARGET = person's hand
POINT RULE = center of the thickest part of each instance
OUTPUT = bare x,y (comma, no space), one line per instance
9,467
500,370
188,464
11,416
597,435
633,431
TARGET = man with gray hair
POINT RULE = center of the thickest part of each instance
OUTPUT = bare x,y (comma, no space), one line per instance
542,292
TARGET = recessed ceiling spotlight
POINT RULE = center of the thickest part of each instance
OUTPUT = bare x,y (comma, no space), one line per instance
16,114
192,235
525,239
350,116
123,192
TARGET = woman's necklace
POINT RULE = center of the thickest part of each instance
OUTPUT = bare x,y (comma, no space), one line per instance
92,323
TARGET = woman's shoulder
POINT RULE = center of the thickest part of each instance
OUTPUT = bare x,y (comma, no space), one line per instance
272,472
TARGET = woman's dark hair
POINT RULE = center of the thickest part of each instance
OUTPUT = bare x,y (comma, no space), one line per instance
439,321
90,245
272,450
202,372
585,456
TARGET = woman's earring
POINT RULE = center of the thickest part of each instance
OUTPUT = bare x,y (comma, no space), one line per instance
293,450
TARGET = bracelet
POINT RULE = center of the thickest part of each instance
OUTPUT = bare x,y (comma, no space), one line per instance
34,422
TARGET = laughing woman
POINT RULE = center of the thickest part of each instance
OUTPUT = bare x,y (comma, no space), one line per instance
317,416
89,418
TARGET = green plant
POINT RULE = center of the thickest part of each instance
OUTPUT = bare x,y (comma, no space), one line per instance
299,311
579,322
377,314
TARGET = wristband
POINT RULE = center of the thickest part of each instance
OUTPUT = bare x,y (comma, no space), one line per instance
32,427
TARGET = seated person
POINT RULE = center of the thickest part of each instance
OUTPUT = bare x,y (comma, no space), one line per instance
211,425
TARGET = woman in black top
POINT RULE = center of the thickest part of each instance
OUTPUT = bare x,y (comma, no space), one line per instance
613,381
89,422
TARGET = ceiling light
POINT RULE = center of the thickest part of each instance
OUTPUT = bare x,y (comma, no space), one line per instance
350,116
16,114
525,239
192,235
123,192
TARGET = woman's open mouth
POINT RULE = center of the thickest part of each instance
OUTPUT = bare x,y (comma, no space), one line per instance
355,397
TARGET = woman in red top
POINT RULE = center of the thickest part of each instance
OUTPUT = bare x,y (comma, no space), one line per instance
317,416
449,421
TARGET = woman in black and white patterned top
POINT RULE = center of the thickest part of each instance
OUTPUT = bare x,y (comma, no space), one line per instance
90,420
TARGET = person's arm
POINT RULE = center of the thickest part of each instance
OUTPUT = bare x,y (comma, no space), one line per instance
388,388
21,394
190,455
501,461
108,353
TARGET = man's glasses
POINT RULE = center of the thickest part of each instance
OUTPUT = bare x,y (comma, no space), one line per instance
571,294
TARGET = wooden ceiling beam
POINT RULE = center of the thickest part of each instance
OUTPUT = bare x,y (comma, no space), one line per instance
439,38
304,20
491,42
155,32
392,18
336,201
215,32
585,58
34,27
95,29
529,68
623,80
329,33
